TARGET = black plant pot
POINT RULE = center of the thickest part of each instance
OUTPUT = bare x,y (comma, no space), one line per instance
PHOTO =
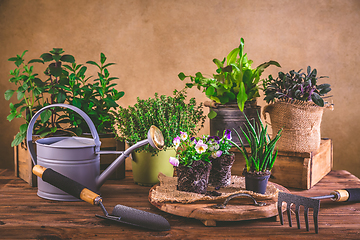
220,174
255,181
194,178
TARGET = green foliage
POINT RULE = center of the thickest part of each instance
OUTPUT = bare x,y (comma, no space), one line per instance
296,85
170,114
260,157
64,82
235,79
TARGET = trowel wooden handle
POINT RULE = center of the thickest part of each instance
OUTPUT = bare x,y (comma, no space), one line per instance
66,184
347,195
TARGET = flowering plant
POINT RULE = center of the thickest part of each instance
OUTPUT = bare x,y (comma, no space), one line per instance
203,148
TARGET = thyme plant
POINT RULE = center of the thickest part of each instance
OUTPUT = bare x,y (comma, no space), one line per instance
171,114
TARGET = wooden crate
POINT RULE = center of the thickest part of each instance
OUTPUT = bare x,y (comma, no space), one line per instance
297,170
24,165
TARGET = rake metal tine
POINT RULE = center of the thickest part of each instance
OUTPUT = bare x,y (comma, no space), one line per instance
289,214
315,216
280,212
306,216
297,216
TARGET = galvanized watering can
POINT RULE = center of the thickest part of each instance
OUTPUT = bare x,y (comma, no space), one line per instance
77,157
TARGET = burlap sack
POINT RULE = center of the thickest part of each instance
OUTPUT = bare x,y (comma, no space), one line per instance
300,122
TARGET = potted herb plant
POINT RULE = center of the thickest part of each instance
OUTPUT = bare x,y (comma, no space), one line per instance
260,157
222,159
296,105
171,114
63,81
234,86
192,162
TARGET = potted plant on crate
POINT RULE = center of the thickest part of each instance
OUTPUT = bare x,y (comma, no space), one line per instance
192,162
171,114
234,86
63,81
260,156
296,106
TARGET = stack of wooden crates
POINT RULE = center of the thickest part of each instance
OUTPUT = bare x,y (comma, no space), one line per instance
296,170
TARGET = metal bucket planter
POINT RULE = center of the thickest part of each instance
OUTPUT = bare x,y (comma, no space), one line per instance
229,116
146,167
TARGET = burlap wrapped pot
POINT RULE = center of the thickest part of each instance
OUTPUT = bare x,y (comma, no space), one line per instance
300,122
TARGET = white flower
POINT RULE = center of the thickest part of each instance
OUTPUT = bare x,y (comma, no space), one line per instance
183,136
176,142
201,147
174,161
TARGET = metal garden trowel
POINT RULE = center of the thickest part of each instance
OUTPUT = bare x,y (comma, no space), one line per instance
120,213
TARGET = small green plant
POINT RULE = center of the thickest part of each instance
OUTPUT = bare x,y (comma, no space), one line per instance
235,79
170,114
296,85
63,83
261,156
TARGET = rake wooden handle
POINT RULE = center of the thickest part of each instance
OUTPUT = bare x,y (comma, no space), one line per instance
66,184
347,195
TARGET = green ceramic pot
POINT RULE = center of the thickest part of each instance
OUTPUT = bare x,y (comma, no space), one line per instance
146,168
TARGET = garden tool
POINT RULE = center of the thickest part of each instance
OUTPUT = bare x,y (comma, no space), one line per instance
120,213
78,157
344,195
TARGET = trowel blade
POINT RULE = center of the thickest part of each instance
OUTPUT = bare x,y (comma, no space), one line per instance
138,217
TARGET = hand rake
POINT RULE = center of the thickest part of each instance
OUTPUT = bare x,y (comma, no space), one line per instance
345,195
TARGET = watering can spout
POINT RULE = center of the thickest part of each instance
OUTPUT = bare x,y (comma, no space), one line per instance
154,138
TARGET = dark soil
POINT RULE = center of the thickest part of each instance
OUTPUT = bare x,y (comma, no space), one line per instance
220,174
194,178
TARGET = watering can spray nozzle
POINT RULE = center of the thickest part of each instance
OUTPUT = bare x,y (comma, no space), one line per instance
154,138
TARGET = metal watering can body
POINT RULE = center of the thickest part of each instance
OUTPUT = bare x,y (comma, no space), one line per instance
77,157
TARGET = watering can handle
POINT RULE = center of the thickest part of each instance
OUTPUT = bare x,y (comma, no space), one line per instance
87,119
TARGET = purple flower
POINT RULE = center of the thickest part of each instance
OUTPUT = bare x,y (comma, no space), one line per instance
183,135
227,134
216,154
174,161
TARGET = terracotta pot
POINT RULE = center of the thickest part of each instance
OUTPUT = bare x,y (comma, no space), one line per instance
255,181
220,174
194,178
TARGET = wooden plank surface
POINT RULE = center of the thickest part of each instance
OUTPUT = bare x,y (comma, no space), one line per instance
23,215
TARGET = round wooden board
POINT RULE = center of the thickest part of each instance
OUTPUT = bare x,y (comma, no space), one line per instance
240,208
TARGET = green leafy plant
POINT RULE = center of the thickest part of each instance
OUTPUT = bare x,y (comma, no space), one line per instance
260,157
296,85
171,114
235,79
63,83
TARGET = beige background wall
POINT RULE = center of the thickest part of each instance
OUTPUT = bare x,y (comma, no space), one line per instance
153,40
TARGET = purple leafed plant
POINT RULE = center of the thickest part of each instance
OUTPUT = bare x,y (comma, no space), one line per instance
296,85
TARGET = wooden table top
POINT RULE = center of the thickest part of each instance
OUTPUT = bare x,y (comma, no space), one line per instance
23,215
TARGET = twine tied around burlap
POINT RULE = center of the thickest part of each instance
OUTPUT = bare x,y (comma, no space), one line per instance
300,122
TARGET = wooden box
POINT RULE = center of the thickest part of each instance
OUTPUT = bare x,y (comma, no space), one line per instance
297,170
24,165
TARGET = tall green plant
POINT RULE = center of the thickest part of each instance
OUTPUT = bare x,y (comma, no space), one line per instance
235,79
64,82
171,114
261,156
